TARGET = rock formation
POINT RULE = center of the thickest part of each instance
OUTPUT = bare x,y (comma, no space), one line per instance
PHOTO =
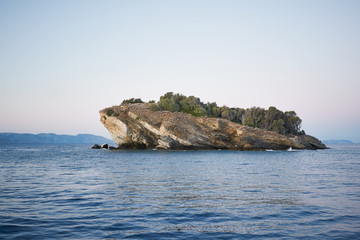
135,126
96,146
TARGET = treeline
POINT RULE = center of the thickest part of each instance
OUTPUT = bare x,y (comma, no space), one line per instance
271,119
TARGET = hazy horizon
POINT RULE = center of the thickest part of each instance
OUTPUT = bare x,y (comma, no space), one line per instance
109,137
61,62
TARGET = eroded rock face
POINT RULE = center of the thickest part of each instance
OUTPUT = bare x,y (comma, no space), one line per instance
135,126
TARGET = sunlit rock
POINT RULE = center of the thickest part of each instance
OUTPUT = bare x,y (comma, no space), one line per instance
135,126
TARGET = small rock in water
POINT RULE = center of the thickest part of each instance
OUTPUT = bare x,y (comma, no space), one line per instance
96,146
112,147
105,145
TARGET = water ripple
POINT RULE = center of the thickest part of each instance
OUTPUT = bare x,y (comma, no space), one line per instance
62,192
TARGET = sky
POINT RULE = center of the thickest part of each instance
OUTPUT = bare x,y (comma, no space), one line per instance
63,61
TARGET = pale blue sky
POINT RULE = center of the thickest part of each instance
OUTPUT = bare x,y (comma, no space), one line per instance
63,61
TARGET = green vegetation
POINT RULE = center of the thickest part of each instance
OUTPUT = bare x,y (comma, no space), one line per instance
132,100
271,119
110,112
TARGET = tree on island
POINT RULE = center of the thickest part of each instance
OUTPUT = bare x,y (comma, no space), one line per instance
271,119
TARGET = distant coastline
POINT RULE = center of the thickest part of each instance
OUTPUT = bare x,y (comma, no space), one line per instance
51,138
328,142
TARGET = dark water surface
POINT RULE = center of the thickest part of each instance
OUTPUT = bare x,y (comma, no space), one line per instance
73,192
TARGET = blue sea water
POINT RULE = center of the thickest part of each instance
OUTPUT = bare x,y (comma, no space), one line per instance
74,192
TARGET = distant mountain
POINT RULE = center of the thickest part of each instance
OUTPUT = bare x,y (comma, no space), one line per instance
337,142
52,138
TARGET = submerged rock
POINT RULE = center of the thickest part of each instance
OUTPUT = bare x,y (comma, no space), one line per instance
96,146
105,145
135,126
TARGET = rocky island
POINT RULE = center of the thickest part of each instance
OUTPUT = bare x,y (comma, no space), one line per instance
138,125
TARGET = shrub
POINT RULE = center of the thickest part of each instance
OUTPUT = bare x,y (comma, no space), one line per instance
132,100
110,112
271,119
154,107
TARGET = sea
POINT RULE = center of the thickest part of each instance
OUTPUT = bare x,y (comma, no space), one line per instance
58,191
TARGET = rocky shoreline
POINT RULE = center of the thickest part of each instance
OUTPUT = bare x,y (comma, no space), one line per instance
135,126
